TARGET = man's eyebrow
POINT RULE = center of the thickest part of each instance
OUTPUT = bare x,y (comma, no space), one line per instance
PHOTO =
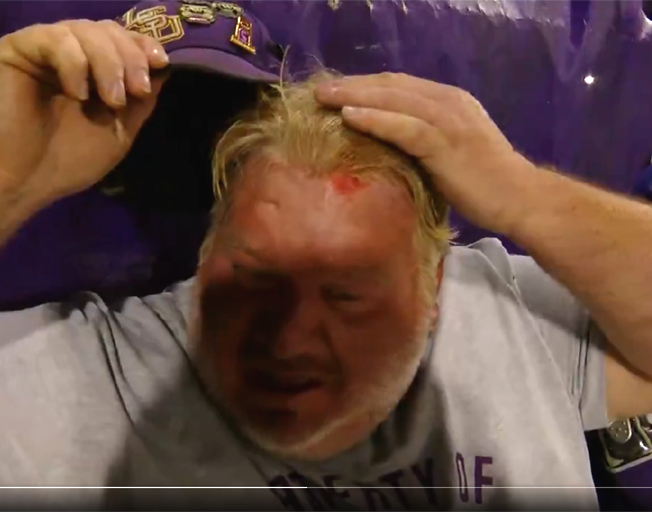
360,273
345,272
236,244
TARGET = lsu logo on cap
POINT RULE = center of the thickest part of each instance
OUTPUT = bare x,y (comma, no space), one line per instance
156,22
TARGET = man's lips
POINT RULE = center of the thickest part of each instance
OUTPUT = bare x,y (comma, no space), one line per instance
284,383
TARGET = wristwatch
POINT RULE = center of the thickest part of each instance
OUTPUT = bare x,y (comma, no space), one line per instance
627,442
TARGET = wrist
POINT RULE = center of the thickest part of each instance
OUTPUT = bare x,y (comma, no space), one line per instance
548,199
519,188
19,200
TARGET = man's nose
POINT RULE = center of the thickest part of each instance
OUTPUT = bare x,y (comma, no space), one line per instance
301,332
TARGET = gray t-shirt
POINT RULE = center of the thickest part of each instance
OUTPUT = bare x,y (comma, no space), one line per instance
103,395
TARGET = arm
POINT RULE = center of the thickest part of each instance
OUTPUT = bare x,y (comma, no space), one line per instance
599,245
596,243
51,147
15,209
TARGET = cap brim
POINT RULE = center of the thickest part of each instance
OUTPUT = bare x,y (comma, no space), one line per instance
215,61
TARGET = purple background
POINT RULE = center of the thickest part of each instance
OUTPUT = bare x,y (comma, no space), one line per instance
526,61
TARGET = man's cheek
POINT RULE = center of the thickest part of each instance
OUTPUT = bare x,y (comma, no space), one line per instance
225,305
374,336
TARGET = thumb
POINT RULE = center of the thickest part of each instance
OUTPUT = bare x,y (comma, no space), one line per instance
135,115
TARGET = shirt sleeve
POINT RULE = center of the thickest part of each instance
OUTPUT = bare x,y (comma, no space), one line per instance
574,340
86,370
80,317
18,325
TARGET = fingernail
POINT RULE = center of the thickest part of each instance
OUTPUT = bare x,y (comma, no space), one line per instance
160,56
118,94
354,112
144,81
82,90
329,88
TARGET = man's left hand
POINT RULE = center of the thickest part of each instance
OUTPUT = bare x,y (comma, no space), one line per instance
593,242
470,161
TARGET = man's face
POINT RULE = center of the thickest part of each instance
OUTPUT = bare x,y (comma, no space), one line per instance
311,323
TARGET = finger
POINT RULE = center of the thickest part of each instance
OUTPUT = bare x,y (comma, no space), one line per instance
435,112
411,135
154,51
135,116
127,122
331,92
337,93
40,49
104,60
134,60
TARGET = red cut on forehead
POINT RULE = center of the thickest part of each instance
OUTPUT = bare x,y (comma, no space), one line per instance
346,184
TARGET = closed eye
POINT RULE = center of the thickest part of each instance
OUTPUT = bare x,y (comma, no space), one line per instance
340,296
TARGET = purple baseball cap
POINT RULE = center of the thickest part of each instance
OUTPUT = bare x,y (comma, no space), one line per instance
217,37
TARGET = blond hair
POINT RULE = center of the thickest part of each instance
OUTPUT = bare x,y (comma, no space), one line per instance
289,124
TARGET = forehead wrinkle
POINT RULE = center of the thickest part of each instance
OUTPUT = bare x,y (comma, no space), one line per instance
289,206
259,167
349,272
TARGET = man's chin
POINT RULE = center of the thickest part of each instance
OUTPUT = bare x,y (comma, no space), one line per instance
287,430
284,434
307,437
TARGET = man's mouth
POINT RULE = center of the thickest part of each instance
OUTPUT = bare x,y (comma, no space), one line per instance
284,383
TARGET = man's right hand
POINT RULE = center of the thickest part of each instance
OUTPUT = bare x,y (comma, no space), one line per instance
73,96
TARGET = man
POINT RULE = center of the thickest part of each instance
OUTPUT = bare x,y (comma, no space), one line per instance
340,346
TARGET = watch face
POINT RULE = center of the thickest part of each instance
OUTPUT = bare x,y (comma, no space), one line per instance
625,442
620,431
169,166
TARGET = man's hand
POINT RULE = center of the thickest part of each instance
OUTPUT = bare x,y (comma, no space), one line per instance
594,242
470,161
73,96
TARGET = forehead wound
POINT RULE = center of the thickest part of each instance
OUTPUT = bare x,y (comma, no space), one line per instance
346,184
